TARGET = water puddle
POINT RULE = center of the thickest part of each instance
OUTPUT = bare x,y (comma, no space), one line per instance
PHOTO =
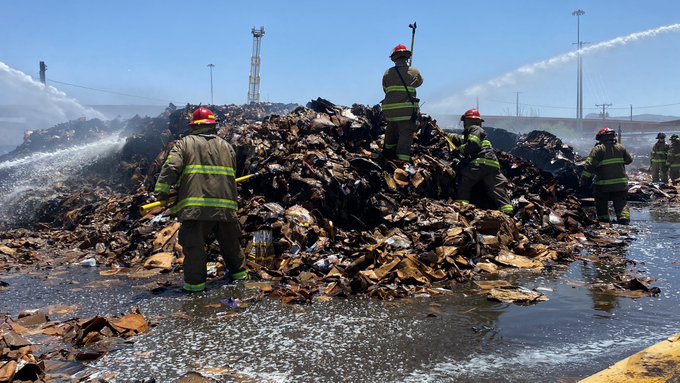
461,337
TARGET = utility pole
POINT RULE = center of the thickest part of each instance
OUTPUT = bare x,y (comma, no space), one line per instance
43,68
517,103
604,106
631,112
579,74
211,84
254,83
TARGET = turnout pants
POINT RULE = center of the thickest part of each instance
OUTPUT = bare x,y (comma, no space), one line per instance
619,200
493,180
674,173
193,236
659,172
399,138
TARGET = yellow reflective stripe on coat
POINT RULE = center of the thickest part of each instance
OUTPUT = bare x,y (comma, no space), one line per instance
475,139
586,174
613,181
611,161
209,169
397,119
487,162
399,105
399,88
658,161
161,188
486,144
217,203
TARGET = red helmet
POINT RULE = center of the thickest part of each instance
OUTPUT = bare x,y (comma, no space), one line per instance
400,50
605,133
203,116
472,114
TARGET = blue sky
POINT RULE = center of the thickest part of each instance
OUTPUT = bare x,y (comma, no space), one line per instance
339,51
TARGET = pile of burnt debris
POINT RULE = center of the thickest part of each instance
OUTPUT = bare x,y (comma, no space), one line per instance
325,216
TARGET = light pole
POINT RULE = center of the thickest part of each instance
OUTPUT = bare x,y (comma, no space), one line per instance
579,74
517,103
211,85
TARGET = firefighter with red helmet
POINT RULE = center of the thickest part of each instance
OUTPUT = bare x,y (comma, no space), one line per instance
480,163
400,105
201,167
657,158
607,163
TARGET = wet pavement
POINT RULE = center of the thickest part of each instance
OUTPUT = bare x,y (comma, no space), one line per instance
461,337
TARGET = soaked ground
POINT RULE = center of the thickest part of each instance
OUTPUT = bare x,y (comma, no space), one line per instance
455,338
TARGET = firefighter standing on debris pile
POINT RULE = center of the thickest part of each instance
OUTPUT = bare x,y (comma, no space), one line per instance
658,159
202,166
673,158
480,163
607,161
400,105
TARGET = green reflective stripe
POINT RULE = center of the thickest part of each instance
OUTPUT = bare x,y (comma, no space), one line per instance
613,181
242,275
586,174
398,105
675,166
167,159
218,203
462,201
589,161
161,188
475,139
506,208
207,169
193,288
399,88
404,157
390,146
487,162
486,144
625,214
611,161
397,119
658,161
659,152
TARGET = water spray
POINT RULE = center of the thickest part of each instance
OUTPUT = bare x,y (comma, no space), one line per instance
512,77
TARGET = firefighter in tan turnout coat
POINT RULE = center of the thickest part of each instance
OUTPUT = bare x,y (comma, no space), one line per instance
201,166
607,162
400,105
657,158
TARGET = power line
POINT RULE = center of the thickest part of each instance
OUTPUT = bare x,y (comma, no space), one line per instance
110,91
570,107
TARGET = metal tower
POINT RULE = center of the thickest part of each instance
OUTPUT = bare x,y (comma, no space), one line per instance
254,83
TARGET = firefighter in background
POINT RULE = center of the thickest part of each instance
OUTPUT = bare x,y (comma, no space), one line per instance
202,166
400,105
673,159
658,159
480,163
607,162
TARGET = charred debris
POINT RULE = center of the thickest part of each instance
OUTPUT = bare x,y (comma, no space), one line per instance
325,216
